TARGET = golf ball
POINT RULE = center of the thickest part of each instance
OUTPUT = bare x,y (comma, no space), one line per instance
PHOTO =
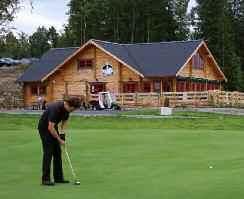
210,167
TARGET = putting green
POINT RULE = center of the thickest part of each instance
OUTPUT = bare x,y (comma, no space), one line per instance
129,158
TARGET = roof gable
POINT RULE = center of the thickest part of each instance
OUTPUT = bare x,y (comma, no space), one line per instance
204,45
48,62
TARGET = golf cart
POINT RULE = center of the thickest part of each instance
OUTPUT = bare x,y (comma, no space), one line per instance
105,101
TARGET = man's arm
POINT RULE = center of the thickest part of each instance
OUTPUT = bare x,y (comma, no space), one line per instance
54,132
64,125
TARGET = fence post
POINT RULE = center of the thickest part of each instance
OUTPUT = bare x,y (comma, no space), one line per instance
136,99
122,99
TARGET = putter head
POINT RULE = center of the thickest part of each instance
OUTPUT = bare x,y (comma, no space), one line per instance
77,182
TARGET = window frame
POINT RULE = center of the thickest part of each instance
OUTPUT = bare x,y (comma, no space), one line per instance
198,62
34,87
157,90
85,63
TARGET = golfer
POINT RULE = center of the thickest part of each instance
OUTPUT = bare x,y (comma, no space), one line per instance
57,112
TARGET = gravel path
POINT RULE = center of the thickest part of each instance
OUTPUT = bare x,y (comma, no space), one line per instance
226,111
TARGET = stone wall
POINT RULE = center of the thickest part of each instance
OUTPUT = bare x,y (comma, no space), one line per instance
11,95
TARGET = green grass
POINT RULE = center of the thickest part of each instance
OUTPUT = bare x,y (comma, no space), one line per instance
176,112
126,158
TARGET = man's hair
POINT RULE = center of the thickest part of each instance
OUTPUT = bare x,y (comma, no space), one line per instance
73,102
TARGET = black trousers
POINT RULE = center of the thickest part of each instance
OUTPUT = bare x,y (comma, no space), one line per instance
51,150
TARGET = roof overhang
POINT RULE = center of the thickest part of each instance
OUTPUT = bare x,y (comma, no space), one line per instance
83,47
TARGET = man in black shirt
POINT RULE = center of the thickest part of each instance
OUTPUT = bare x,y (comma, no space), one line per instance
57,112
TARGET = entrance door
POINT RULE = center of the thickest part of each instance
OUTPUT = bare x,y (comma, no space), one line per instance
97,87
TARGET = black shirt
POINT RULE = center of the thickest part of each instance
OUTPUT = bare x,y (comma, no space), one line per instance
54,113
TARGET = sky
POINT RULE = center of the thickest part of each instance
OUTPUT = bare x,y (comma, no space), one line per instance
45,13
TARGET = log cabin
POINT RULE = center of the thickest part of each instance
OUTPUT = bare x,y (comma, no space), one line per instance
96,66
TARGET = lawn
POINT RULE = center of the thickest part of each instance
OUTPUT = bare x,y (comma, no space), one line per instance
126,158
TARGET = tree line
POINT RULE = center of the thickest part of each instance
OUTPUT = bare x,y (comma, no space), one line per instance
219,22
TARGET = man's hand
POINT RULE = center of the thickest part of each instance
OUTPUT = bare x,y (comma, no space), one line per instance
61,142
62,136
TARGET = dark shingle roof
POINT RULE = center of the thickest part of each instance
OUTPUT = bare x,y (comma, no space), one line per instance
149,59
49,61
153,59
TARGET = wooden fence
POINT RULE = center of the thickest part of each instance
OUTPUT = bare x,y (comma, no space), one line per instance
195,99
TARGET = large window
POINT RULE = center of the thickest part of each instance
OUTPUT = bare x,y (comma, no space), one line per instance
197,61
213,86
181,85
85,63
34,90
157,86
43,90
188,85
146,87
38,90
130,87
167,85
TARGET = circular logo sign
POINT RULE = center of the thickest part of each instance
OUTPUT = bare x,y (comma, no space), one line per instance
107,70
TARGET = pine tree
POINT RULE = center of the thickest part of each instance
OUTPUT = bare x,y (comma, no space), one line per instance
53,37
182,18
39,42
122,21
216,27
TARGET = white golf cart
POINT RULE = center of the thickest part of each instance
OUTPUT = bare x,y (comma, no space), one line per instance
105,101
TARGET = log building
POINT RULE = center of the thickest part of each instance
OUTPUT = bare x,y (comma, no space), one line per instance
97,66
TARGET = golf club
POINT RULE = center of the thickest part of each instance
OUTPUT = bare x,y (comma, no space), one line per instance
76,181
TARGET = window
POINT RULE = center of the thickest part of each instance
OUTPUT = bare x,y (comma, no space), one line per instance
203,84
85,63
210,86
146,87
188,86
180,86
34,90
217,86
194,86
197,62
97,87
130,87
167,85
43,90
198,86
157,86
89,63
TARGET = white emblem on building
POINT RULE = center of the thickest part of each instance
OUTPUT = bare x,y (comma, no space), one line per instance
107,69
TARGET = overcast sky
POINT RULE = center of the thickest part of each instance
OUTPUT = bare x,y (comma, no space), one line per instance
45,13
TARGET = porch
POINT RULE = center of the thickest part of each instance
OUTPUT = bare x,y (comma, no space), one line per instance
213,98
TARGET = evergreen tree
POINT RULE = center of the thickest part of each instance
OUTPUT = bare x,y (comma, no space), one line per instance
216,27
11,46
53,37
122,21
23,45
39,42
182,18
67,38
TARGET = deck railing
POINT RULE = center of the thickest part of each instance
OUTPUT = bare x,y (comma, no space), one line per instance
206,98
